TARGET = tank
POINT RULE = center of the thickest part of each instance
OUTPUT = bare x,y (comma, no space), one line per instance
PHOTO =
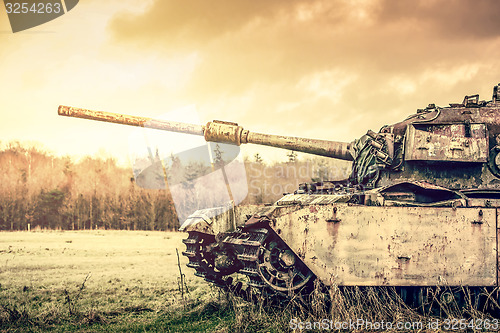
418,210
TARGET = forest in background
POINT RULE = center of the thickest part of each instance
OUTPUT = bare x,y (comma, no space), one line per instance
41,190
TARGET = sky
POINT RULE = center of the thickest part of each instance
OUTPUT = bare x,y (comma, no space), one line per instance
326,69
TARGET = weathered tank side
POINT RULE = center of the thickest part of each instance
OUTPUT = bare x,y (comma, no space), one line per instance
359,245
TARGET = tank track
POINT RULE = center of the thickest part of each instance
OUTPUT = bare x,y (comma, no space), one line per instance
258,251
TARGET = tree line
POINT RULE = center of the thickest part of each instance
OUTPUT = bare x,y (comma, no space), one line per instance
41,190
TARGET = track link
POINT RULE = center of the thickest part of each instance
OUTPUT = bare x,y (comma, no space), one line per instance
200,258
248,246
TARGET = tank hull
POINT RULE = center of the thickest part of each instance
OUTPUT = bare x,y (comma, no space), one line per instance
411,236
355,245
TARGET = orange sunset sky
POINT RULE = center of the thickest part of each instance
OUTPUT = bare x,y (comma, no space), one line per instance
327,69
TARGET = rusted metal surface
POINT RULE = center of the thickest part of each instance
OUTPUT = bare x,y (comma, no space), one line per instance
488,114
447,143
219,131
498,247
397,246
117,118
338,150
219,219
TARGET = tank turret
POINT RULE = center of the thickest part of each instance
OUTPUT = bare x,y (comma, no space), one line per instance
456,146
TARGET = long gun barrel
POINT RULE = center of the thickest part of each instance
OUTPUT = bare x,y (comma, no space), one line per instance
219,131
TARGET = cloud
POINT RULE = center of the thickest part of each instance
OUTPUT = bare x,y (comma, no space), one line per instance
284,40
178,23
458,19
322,68
234,36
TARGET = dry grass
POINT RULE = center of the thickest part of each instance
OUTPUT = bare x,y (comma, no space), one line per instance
54,278
121,281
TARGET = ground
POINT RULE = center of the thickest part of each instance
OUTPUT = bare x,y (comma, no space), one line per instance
129,281
64,280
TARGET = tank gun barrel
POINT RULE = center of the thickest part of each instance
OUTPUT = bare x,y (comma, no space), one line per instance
109,117
219,131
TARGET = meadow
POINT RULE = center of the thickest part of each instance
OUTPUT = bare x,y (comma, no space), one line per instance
91,280
129,281
113,281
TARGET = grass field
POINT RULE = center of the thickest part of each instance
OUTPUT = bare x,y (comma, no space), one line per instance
124,281
92,280
113,281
